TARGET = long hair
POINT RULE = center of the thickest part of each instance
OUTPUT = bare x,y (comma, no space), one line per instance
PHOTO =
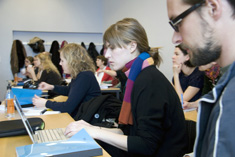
126,31
77,58
47,63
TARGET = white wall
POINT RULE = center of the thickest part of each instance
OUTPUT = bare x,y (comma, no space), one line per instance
80,16
44,16
152,14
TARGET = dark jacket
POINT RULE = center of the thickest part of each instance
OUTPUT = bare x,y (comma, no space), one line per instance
18,55
99,109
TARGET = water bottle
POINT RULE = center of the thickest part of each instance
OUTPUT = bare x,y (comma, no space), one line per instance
10,108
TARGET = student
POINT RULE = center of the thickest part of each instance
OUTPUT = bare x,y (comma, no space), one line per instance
151,119
101,63
206,29
211,77
187,79
27,62
74,60
47,72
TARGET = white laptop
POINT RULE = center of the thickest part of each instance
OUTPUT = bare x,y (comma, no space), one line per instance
40,136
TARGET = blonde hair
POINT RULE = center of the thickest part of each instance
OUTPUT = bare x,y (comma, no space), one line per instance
47,63
77,58
126,31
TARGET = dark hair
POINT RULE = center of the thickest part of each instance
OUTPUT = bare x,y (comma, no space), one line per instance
30,58
192,2
102,58
126,31
187,63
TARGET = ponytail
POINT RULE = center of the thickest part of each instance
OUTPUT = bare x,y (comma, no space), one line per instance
154,53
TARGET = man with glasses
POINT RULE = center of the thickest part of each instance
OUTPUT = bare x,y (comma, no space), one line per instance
206,29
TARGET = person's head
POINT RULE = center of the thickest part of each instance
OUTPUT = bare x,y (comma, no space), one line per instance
202,27
125,40
43,62
75,59
101,61
181,56
28,61
47,53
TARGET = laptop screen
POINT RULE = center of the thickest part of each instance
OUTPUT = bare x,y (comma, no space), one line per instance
24,119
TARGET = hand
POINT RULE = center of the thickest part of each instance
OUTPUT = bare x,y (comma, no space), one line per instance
30,69
38,101
45,86
207,66
188,105
177,68
74,127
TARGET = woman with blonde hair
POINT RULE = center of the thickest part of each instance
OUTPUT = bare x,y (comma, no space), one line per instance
151,121
47,72
75,61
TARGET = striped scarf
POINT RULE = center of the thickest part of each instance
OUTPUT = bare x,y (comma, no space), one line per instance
142,61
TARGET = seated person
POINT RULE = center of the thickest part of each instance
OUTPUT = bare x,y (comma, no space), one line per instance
187,79
84,86
151,118
27,62
101,63
212,75
47,72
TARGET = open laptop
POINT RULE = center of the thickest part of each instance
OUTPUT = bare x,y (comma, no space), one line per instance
40,136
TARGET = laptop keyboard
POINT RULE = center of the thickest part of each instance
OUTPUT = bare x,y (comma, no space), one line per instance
50,135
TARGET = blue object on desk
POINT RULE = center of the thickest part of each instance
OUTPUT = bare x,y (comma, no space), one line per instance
21,83
81,144
25,96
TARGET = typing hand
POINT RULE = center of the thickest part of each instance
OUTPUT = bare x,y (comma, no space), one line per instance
74,127
38,101
45,86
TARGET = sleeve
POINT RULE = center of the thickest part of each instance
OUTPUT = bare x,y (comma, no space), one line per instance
149,115
107,77
62,90
76,95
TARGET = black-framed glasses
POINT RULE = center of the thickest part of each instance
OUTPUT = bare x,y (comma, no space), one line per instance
174,23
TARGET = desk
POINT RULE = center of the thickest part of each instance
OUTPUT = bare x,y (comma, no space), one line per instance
112,90
8,144
191,115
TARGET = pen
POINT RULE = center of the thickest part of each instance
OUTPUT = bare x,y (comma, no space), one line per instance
182,99
43,111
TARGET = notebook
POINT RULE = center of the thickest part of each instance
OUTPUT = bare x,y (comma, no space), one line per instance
40,136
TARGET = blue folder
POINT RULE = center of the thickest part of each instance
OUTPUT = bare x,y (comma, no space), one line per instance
25,96
81,144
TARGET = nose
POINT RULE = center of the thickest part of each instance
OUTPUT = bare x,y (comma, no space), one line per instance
177,38
108,53
60,63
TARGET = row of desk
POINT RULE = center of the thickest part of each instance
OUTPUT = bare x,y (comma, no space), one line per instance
8,144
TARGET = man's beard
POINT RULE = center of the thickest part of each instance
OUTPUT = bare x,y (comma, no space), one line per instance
205,55
209,52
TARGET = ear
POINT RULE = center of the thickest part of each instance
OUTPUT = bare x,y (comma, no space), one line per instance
187,57
133,46
215,8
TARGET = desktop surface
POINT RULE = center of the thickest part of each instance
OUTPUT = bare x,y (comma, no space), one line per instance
8,144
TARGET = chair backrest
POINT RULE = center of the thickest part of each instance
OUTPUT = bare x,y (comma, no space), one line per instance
191,132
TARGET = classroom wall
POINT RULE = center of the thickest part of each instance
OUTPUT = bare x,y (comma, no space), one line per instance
152,14
47,18
67,19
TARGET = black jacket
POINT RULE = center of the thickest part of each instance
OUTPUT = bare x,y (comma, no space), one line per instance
98,109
